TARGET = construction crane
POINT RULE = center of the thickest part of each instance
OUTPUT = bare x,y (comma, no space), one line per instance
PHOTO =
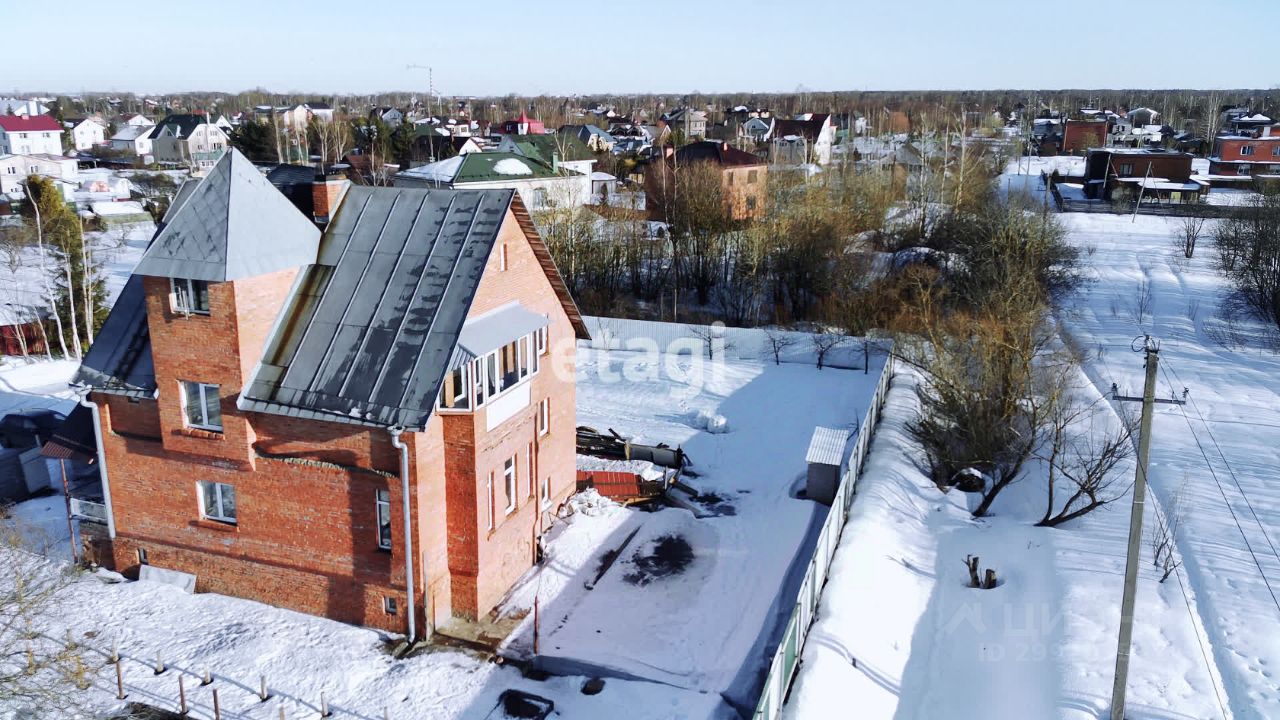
431,85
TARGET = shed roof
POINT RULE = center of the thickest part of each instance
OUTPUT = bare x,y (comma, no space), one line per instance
826,447
232,224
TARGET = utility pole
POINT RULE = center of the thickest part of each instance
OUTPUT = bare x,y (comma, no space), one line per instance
1148,400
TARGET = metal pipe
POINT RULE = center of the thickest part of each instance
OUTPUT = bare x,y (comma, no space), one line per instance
83,392
408,525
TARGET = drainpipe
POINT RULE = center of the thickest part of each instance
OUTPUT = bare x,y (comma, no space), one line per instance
408,534
83,392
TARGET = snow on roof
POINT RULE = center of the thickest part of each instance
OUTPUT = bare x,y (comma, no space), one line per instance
511,166
602,176
442,171
826,447
117,208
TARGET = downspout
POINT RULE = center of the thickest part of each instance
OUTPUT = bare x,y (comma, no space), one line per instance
83,392
408,534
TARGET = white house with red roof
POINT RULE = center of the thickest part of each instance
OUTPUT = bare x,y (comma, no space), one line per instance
34,135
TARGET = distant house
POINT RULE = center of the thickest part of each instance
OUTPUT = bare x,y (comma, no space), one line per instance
1143,116
1247,155
523,125
139,121
319,110
30,135
433,146
1080,136
540,185
86,133
189,140
595,137
25,108
388,115
133,139
693,123
558,151
1117,174
744,177
808,139
14,170
756,129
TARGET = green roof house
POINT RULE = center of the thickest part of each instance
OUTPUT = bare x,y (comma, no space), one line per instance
541,185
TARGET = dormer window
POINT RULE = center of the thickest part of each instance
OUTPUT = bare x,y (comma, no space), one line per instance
189,297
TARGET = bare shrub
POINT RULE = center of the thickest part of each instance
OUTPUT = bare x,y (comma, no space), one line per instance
824,343
778,341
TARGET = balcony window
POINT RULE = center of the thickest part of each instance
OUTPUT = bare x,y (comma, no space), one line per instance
189,297
201,406
218,502
455,394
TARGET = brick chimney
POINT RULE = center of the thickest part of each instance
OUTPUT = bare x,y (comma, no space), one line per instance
326,195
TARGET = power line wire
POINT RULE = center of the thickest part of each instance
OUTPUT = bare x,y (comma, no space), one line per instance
1230,470
1213,473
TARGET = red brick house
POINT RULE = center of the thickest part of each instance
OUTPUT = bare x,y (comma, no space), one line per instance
1246,155
353,422
1080,136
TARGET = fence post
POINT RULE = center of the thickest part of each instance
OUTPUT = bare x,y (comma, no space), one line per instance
182,696
119,682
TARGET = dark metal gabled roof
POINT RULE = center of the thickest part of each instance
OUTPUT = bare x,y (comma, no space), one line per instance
119,361
370,329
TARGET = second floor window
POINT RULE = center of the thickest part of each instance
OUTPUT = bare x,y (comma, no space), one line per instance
201,405
1246,150
190,296
509,483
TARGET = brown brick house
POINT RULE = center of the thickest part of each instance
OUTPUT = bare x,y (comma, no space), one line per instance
743,177
267,392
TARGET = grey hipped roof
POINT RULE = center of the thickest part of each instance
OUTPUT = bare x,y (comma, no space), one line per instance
119,361
233,224
372,327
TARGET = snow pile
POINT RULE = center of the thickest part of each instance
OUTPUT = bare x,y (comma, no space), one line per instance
106,209
643,468
511,166
711,422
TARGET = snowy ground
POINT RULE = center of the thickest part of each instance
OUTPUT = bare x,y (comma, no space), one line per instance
699,628
685,644
900,635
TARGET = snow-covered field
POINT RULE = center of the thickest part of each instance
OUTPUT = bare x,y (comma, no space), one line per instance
900,635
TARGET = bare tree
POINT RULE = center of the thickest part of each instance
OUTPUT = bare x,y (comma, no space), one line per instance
1164,536
824,343
40,675
1084,458
778,341
712,338
1188,234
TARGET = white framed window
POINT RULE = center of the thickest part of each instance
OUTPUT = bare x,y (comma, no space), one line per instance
509,483
218,501
541,336
489,498
1275,150
546,491
544,416
201,406
382,505
389,605
190,297
1126,169
455,391
1246,150
528,465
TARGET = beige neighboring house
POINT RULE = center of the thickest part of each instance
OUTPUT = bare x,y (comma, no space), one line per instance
14,170
133,139
189,140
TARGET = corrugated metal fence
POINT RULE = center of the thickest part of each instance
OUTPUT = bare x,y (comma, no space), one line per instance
786,660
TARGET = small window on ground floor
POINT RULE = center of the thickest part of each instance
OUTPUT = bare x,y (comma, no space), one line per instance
218,501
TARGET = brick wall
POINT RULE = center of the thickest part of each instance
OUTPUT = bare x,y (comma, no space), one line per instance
305,535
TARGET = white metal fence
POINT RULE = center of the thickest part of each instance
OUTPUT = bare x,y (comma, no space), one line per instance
782,670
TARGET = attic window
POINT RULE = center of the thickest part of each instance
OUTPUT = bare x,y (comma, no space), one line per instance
189,296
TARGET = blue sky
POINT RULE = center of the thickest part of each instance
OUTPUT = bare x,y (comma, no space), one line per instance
499,47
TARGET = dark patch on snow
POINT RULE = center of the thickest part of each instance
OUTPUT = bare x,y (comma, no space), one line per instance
667,556
593,686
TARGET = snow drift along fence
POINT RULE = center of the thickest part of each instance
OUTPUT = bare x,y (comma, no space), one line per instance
786,660
739,343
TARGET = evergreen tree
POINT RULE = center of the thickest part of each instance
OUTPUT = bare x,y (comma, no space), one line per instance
256,140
